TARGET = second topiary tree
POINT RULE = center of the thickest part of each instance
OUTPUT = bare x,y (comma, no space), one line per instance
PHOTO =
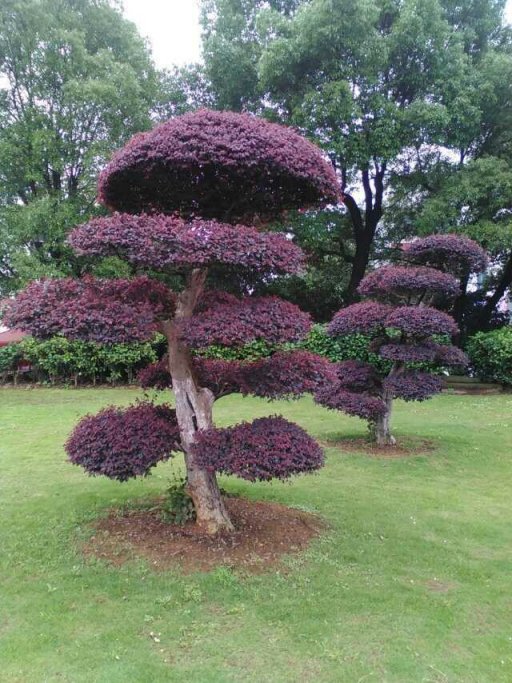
402,319
194,196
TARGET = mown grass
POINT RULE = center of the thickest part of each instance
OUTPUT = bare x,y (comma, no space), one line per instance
412,582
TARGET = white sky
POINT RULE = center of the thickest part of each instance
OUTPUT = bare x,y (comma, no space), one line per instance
172,28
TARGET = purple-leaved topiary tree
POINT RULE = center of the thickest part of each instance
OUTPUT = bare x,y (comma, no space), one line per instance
401,316
193,196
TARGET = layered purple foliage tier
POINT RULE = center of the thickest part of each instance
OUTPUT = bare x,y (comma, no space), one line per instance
421,322
451,253
222,165
285,374
337,397
267,448
168,242
392,283
368,317
92,309
122,443
413,386
409,353
268,318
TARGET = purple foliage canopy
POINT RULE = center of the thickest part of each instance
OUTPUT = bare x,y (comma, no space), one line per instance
267,448
451,253
92,309
122,443
368,317
413,386
421,322
285,374
395,282
268,318
222,165
169,242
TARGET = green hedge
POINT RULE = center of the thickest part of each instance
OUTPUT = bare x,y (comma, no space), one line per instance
490,354
59,360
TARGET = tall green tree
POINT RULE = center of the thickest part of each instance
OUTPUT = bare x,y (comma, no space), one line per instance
76,80
381,85
469,192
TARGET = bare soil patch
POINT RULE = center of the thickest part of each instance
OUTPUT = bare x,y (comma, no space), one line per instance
405,448
264,533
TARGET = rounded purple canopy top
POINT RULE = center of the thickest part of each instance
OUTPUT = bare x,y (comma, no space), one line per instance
221,165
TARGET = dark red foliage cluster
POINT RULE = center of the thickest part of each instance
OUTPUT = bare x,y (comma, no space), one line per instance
451,356
267,448
368,317
337,397
122,443
409,353
221,377
421,322
356,375
413,386
168,242
211,298
268,318
286,374
355,390
399,282
92,309
232,167
451,253
155,375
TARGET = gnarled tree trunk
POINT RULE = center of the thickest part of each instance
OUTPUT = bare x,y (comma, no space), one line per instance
194,412
383,436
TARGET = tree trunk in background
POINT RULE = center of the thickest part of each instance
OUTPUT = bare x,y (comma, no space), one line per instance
490,305
364,227
383,436
194,412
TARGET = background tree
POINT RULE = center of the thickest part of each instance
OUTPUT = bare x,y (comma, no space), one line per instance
226,169
76,80
401,317
380,86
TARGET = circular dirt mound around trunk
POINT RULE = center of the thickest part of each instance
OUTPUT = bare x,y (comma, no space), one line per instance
264,533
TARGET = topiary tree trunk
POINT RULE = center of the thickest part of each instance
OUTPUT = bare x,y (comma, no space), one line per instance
383,436
194,412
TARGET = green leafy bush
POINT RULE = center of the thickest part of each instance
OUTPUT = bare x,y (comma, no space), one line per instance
9,357
490,354
252,351
349,347
61,360
178,507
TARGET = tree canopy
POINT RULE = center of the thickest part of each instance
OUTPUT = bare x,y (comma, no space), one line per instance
397,93
76,81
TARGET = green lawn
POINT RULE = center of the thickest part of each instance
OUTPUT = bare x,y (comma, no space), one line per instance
412,583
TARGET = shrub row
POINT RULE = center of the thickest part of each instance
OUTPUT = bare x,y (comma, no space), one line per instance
61,360
491,355
58,360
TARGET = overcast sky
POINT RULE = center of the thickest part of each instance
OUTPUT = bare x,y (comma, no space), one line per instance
172,28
